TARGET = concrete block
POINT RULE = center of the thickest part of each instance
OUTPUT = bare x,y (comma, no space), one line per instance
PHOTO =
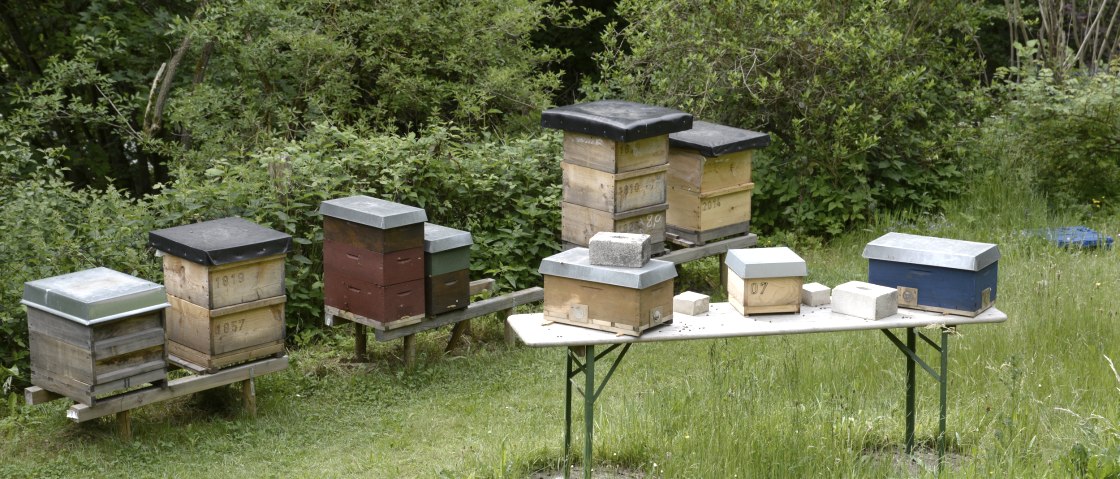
864,300
629,250
691,303
815,294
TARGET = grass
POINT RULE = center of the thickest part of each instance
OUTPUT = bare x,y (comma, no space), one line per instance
1032,397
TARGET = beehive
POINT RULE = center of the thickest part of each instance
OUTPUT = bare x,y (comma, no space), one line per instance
615,164
609,298
94,332
373,261
225,284
935,274
447,262
709,181
765,280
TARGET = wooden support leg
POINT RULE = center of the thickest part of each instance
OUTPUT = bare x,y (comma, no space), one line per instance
124,425
722,271
457,332
359,343
249,397
511,338
409,351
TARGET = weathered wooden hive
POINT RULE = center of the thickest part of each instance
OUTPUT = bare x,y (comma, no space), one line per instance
765,280
935,274
94,332
615,167
610,298
373,261
710,181
225,283
447,263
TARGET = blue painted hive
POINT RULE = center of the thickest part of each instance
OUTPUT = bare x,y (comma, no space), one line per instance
935,274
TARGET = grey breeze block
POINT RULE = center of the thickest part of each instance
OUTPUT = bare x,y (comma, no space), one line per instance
691,303
815,294
865,300
628,250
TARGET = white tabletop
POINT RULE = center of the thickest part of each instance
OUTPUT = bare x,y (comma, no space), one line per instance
722,321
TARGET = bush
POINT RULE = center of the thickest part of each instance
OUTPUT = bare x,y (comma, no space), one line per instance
1061,136
862,99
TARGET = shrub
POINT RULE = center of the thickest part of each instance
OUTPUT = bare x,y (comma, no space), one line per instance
861,98
1061,136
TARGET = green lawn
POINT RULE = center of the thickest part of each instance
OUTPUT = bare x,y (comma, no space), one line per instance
1032,397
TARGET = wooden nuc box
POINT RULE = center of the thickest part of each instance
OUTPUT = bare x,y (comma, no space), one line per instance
935,274
447,263
94,332
710,181
608,298
765,280
225,284
373,261
615,167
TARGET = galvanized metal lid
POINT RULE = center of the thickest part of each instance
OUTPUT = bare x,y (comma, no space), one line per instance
710,139
778,262
617,120
221,241
575,264
439,238
932,251
375,212
94,295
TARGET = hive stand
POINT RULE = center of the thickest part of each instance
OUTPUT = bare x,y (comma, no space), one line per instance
123,403
503,305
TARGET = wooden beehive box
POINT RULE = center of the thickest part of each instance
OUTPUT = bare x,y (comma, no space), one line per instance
225,283
447,262
373,261
710,181
580,223
935,274
765,280
609,298
615,164
94,332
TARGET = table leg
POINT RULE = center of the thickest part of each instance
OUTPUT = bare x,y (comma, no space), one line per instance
944,379
588,408
568,415
911,369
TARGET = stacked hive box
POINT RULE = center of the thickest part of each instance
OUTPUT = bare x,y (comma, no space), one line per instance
615,165
710,181
95,331
765,280
225,283
619,299
935,274
373,261
447,262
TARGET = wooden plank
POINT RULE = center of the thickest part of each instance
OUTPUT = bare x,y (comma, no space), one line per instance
579,302
614,192
697,211
704,174
64,386
690,239
175,388
227,329
58,328
214,287
476,309
129,343
152,376
333,314
33,395
61,359
719,247
615,157
579,223
199,361
485,284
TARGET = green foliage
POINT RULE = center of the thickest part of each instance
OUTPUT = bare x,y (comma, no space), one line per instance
862,98
505,193
1060,136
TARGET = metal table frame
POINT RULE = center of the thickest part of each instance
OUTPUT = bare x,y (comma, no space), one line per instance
723,322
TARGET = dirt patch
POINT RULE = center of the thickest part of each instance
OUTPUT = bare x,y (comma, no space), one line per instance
599,472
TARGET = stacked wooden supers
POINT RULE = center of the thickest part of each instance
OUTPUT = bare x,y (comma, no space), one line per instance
95,331
615,168
447,273
373,261
710,181
225,283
